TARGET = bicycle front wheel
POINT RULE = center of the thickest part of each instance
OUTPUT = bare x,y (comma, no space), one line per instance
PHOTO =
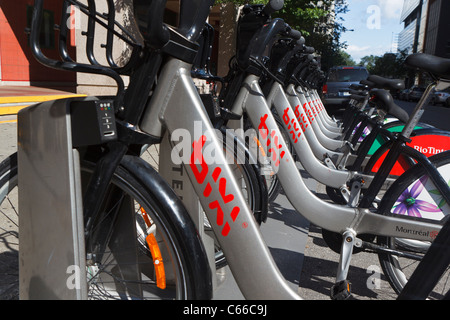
9,230
414,195
144,246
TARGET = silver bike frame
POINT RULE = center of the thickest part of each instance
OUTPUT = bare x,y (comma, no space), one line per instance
177,105
302,139
330,131
336,218
319,150
340,158
348,158
327,141
297,134
330,123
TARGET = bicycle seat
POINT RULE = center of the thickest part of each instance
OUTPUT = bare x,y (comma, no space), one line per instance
385,101
388,84
439,67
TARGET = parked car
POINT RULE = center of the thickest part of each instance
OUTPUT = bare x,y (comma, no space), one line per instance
415,93
403,94
336,91
440,97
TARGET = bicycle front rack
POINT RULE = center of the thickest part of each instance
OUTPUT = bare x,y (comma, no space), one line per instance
66,62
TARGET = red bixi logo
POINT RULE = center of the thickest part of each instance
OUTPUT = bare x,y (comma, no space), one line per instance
200,169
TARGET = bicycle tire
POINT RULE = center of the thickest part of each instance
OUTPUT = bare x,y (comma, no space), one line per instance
409,186
182,251
420,138
373,165
9,230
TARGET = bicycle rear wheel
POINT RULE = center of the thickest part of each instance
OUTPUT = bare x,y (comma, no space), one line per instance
414,194
144,247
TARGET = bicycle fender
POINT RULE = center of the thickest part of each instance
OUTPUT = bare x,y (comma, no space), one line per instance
186,231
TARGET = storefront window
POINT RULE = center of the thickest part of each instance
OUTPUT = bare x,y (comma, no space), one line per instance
47,36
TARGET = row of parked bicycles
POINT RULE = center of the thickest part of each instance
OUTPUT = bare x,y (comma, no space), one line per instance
386,173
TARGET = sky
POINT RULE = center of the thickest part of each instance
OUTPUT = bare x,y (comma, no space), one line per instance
376,24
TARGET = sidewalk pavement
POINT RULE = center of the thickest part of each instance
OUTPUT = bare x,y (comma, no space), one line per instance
14,98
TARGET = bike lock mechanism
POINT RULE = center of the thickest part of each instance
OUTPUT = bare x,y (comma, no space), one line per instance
50,190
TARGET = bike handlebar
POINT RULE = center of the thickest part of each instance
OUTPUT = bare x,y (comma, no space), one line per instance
295,34
264,37
193,15
273,6
283,54
150,14
309,50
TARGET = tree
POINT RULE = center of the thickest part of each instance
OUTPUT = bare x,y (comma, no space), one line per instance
368,62
321,24
389,65
319,21
344,59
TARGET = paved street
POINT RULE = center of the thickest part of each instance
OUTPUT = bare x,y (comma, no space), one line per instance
438,116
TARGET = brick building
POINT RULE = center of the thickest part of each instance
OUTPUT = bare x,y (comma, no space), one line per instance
18,67
17,64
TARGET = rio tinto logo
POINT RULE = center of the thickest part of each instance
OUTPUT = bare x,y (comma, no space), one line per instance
428,150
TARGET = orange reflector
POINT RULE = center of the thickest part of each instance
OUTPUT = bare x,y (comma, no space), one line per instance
157,261
261,149
145,216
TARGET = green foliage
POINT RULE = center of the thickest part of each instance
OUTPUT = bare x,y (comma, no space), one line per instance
321,24
344,59
319,21
389,65
368,62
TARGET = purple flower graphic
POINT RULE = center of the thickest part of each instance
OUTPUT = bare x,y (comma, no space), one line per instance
364,134
410,205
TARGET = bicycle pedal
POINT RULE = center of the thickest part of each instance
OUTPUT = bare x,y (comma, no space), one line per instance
341,290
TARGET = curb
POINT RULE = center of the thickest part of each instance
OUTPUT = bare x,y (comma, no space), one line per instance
12,105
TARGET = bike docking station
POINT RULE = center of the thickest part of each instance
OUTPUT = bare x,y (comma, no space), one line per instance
52,258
